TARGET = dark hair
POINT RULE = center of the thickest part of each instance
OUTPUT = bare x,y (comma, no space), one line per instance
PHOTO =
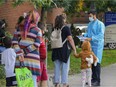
1,23
41,25
20,19
59,21
92,12
7,42
2,30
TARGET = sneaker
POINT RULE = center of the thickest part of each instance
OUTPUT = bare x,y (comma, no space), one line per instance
96,84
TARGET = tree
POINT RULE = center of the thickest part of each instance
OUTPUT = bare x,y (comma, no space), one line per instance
43,4
46,5
2,1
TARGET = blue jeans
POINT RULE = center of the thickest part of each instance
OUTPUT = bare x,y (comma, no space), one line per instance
63,69
34,77
2,48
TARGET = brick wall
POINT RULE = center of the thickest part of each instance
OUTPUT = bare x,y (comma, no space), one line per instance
53,13
11,14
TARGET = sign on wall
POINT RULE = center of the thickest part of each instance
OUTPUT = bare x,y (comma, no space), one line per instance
110,33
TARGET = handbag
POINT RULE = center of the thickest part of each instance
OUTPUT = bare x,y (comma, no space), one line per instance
24,76
2,74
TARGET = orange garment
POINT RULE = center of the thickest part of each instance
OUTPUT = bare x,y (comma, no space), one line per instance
83,55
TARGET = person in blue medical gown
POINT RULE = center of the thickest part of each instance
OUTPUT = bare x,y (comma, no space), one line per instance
95,34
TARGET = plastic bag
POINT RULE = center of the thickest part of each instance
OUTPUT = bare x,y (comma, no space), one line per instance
24,77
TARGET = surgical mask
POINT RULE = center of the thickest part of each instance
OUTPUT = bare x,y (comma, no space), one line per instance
91,19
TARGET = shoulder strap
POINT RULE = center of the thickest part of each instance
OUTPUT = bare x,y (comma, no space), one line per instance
62,27
66,38
64,41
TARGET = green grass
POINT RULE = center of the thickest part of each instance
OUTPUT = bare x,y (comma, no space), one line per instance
109,57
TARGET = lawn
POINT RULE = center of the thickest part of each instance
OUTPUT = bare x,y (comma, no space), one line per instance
109,57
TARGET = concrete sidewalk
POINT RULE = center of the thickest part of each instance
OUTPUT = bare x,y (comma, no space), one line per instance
108,78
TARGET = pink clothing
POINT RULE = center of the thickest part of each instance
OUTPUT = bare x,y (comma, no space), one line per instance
43,71
42,51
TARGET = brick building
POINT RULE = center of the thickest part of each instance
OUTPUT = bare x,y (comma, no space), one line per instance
11,14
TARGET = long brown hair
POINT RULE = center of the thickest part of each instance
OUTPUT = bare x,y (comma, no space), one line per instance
59,21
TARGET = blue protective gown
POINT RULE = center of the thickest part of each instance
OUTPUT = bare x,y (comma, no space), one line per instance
96,31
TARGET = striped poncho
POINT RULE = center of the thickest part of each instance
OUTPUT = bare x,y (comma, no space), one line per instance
30,46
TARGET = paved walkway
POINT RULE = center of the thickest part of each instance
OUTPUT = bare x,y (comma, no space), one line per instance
108,78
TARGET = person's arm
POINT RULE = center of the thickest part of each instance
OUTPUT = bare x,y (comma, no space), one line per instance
71,41
36,44
15,44
100,36
69,38
78,55
101,30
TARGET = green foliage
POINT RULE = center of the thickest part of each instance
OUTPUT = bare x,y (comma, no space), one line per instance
17,2
2,76
7,33
102,5
109,57
36,3
1,2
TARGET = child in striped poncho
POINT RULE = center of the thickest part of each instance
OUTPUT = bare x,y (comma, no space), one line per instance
26,42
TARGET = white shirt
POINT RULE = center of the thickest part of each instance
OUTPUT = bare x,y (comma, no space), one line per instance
8,58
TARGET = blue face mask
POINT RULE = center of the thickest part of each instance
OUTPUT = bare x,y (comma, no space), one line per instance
91,19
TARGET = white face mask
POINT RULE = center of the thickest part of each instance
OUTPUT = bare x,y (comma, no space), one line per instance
91,19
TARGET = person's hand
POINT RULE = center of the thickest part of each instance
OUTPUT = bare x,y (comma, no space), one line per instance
75,53
21,58
88,39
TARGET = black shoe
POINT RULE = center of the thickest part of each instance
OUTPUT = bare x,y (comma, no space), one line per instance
96,84
86,83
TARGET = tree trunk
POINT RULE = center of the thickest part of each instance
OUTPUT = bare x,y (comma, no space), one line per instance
43,15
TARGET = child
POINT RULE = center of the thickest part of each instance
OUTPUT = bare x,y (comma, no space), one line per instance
42,49
87,58
8,57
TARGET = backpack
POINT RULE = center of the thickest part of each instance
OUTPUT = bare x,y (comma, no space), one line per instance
56,38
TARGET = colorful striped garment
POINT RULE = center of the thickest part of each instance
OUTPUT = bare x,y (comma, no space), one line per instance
29,48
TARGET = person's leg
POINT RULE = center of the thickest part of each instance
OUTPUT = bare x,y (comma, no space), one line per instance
89,73
98,72
57,69
65,71
83,74
44,76
34,77
11,81
43,83
97,78
39,77
94,73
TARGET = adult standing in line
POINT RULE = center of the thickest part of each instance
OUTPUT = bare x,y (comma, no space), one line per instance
95,34
61,56
26,42
2,34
